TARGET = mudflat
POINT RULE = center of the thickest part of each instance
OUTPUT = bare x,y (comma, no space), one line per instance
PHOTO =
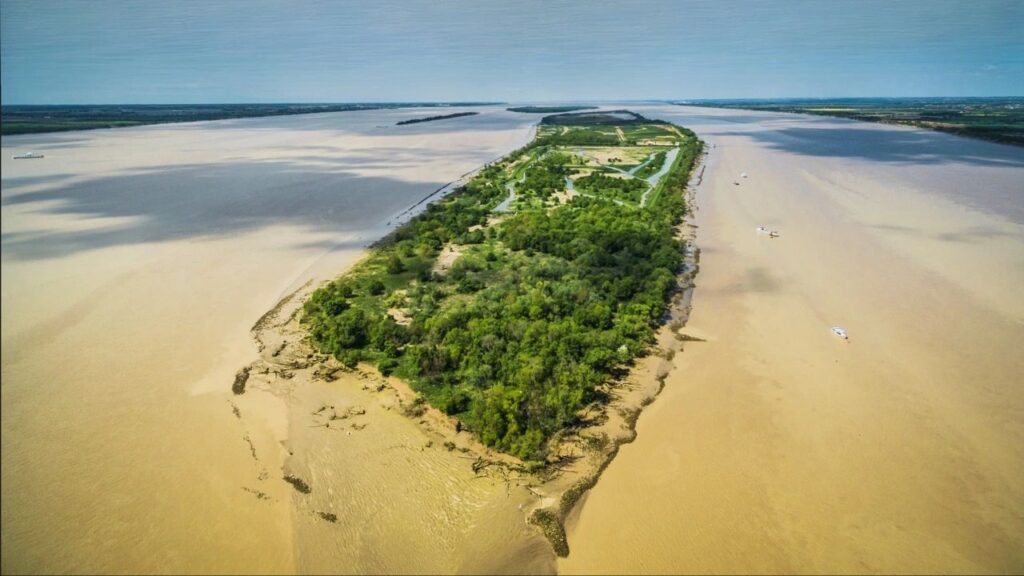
135,263
776,447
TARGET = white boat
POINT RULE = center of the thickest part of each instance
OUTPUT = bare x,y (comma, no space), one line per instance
743,175
763,230
27,156
840,333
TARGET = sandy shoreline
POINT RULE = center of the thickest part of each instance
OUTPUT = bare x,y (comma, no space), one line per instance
374,470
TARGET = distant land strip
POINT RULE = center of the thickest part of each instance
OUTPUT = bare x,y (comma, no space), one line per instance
549,109
433,118
32,119
996,119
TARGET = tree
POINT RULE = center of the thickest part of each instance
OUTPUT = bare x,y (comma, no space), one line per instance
348,331
395,265
376,287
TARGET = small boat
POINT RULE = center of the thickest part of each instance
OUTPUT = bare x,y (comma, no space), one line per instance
763,230
27,156
840,333
773,234
743,175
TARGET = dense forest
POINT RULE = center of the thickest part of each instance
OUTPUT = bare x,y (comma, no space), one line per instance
608,186
514,334
548,109
580,137
608,118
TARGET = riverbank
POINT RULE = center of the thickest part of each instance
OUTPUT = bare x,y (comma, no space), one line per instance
374,468
589,450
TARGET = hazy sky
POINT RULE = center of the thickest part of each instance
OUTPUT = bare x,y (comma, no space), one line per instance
77,51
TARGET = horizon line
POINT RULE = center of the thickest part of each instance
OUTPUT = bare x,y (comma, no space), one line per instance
512,103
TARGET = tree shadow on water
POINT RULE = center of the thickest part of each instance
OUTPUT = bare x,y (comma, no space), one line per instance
209,201
888,145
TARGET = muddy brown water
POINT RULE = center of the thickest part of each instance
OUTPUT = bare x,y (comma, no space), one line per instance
135,262
777,448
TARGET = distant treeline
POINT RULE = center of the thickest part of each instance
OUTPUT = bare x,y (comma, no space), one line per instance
995,119
549,109
616,117
432,118
35,119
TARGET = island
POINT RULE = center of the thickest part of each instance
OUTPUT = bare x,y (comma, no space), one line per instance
433,118
548,109
517,304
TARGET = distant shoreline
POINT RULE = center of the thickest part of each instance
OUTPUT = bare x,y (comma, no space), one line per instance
32,119
999,120
548,109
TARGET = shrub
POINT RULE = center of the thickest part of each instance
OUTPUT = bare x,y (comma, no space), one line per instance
395,265
387,366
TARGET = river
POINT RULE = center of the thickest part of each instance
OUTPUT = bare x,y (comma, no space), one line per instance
135,262
776,447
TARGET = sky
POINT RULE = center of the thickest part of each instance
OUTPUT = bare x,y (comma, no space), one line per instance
186,51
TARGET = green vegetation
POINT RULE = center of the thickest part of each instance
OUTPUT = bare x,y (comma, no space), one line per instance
617,188
35,119
610,118
652,167
995,119
432,118
548,109
580,137
512,322
553,530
